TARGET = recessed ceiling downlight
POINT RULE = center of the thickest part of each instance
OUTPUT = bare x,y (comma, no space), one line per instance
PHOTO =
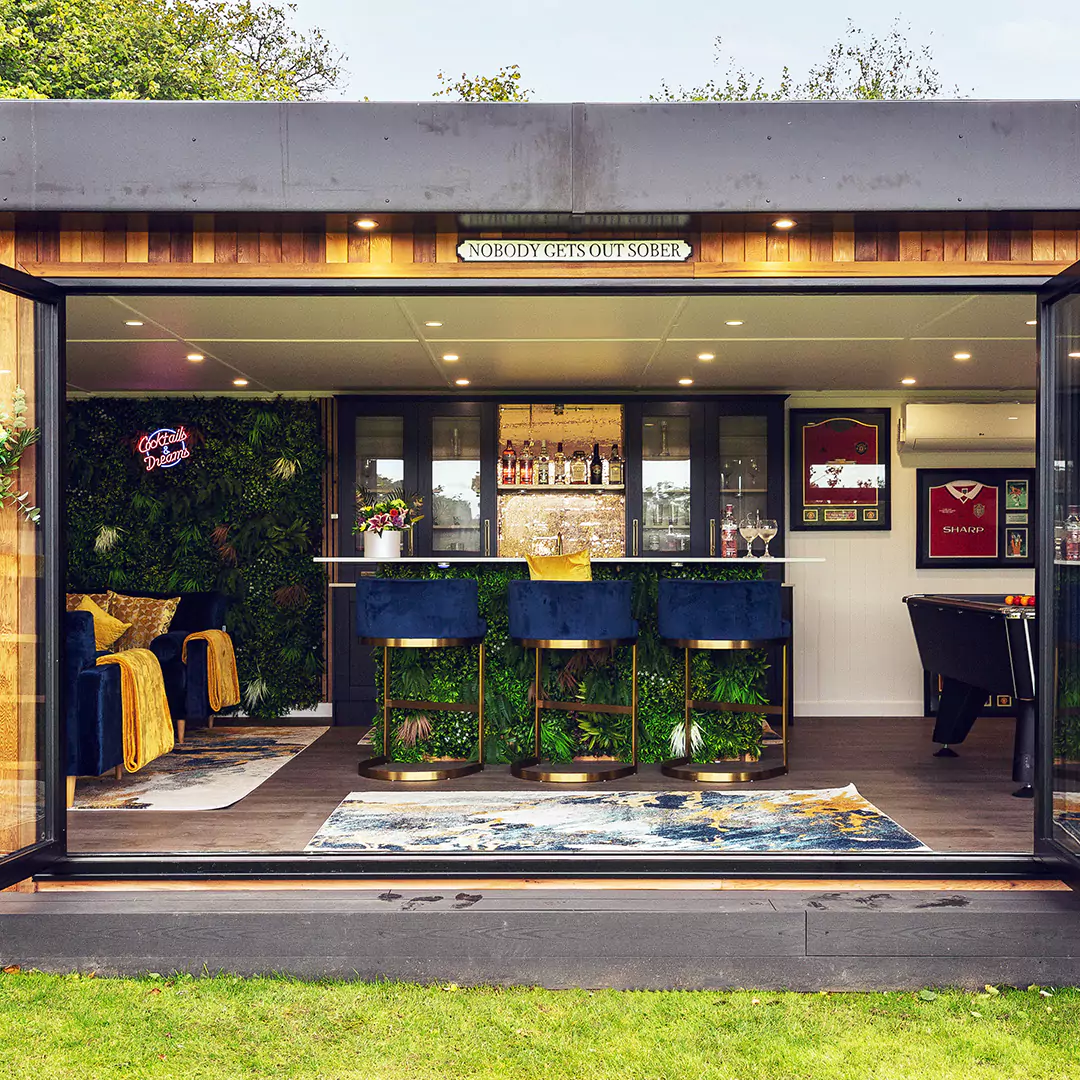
909,381
961,356
239,382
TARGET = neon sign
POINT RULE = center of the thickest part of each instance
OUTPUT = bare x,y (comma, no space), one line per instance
164,448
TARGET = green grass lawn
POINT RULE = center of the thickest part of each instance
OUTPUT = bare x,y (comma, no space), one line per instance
71,1026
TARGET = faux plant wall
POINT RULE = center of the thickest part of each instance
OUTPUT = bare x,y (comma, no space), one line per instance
243,514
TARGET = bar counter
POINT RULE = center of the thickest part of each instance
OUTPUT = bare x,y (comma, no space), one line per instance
450,674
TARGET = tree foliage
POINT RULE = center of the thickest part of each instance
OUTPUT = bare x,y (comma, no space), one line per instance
504,85
858,67
161,49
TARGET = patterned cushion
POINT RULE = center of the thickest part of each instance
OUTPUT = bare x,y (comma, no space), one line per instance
107,628
148,617
99,598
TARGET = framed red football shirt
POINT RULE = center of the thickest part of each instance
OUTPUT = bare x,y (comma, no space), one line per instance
962,520
840,463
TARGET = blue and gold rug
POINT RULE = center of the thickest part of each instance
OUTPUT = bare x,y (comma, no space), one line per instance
213,769
829,820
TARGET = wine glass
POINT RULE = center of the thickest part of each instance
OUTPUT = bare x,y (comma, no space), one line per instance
749,530
767,532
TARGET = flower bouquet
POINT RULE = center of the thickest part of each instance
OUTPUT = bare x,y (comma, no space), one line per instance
382,521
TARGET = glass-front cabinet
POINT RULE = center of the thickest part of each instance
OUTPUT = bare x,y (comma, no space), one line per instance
455,511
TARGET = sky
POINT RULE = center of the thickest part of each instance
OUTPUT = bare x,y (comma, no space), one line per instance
621,50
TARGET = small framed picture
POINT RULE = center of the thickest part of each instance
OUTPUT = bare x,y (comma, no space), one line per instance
840,514
1016,494
1016,543
1016,519
810,516
870,515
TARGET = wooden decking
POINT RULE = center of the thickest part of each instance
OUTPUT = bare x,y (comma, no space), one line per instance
962,804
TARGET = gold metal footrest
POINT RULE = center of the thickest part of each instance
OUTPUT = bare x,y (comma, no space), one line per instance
381,768
725,772
576,772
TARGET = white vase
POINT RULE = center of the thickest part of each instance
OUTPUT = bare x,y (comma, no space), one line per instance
386,546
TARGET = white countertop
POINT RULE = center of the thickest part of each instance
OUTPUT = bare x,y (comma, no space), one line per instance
674,559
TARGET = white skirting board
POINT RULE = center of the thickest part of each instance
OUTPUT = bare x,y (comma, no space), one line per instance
858,708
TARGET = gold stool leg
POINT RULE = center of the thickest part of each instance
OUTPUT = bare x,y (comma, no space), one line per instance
536,706
686,698
480,710
785,706
633,704
386,702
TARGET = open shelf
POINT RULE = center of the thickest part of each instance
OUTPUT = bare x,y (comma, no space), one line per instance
541,488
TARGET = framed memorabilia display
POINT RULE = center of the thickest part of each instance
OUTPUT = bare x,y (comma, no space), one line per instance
840,469
975,518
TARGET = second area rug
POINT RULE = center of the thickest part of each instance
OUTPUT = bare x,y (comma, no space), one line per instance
215,768
829,820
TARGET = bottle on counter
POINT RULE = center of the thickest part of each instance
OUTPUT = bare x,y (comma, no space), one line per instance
543,466
615,467
729,534
508,473
526,472
558,466
1072,535
579,468
596,466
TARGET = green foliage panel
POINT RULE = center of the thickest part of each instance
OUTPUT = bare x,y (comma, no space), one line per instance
596,676
242,514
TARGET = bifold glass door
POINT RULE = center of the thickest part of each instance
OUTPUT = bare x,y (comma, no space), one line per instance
31,797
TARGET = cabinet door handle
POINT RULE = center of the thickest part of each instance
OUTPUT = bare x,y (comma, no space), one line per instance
487,537
712,538
634,539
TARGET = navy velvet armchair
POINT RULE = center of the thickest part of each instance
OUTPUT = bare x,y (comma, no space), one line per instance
93,712
186,684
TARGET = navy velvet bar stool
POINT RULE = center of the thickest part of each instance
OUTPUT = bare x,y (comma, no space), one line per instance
725,615
574,615
401,614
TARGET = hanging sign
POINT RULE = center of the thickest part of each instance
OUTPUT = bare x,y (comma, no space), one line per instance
164,448
576,251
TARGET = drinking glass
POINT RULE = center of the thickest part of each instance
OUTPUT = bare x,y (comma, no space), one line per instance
767,532
749,529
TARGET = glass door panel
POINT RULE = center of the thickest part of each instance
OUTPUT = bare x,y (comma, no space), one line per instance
380,460
665,484
455,484
1058,584
744,469
30,801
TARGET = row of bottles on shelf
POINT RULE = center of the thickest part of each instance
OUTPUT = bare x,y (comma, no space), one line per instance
529,469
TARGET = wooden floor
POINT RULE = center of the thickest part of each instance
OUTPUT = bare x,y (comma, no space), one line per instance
951,804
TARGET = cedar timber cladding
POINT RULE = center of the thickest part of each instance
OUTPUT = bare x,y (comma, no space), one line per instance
408,245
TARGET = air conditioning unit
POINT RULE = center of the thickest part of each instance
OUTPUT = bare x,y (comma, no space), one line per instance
960,428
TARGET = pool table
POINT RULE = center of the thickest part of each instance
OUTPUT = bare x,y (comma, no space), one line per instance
980,646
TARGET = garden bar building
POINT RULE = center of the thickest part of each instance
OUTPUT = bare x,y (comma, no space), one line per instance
671,506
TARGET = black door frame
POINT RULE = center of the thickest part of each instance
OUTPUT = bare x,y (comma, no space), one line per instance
49,368
172,866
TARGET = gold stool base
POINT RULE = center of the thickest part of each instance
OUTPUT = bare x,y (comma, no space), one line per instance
572,773
723,772
381,768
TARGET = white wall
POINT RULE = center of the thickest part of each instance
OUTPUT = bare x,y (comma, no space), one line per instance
855,653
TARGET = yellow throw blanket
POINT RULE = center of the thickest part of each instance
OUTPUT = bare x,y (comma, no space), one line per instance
148,729
222,682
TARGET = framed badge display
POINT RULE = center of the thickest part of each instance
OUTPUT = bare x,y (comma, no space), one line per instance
974,518
840,469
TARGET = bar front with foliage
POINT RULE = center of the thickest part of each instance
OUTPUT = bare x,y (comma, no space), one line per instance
597,675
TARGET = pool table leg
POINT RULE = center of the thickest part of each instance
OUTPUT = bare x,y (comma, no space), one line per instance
1024,749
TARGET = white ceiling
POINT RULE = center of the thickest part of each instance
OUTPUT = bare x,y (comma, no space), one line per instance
322,344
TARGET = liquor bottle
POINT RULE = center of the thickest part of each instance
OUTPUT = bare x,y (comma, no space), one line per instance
543,465
579,468
729,534
559,466
596,466
525,464
1072,535
615,467
509,464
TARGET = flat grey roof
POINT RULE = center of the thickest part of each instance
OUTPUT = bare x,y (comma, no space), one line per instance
430,157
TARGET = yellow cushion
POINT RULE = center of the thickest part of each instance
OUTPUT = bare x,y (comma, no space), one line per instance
106,628
577,566
148,617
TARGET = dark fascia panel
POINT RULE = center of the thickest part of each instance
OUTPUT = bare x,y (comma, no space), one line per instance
588,158
822,156
272,156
